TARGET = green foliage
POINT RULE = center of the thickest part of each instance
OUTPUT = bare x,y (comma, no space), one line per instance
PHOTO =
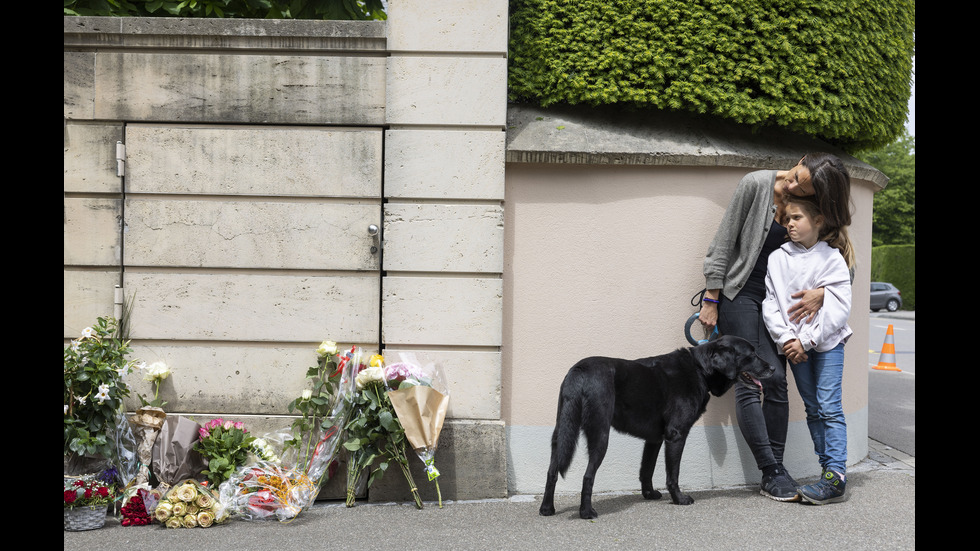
896,265
894,206
226,446
839,71
254,9
95,365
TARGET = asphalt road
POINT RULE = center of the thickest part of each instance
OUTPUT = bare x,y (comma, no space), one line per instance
891,394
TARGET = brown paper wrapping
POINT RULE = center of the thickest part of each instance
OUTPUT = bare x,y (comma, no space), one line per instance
148,421
421,410
174,458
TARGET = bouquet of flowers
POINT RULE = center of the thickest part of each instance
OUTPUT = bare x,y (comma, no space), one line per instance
134,510
374,432
189,505
95,365
225,445
420,399
80,492
265,490
315,436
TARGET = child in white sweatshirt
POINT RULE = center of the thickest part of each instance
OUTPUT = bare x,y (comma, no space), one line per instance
814,346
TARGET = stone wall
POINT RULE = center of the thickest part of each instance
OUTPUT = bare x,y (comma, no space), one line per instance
253,157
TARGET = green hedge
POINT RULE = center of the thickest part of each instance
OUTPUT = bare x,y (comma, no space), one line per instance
255,9
896,265
837,70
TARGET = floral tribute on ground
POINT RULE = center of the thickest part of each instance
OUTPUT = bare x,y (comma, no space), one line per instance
280,485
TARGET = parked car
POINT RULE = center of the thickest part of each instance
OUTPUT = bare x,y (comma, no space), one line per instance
885,295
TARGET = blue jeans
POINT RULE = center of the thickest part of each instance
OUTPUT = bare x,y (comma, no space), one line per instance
819,380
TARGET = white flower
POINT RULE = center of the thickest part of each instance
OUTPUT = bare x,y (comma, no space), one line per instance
327,348
87,333
66,409
81,400
307,394
103,393
368,376
156,371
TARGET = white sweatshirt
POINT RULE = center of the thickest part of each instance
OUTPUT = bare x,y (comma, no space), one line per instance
792,268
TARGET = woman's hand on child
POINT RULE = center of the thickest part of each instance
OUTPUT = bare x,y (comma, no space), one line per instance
811,300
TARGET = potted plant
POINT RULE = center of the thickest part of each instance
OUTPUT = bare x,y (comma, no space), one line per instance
95,367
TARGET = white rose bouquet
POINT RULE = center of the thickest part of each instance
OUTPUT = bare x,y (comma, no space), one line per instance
188,505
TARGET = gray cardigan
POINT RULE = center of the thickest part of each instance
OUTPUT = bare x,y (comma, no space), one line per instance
741,234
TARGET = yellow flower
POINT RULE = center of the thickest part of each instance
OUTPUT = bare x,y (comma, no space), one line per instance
377,360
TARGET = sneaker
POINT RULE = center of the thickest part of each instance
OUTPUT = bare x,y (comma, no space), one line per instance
780,486
829,489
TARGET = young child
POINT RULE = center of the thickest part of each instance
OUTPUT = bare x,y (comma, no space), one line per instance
814,258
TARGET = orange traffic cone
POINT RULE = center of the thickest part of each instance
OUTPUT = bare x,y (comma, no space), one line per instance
887,359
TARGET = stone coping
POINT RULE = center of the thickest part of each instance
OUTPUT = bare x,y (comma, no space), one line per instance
224,34
607,136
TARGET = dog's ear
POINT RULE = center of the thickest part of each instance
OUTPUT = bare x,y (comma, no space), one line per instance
718,364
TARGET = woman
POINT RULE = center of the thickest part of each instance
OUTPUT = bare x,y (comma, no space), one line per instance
735,271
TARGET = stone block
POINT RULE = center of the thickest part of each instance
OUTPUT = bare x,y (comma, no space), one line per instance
231,160
444,164
442,311
90,157
436,26
446,90
251,234
92,231
286,89
88,294
253,307
473,378
472,462
444,238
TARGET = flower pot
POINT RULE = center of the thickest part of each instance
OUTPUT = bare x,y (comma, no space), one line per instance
85,517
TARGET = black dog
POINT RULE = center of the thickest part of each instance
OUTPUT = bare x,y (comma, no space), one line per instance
655,399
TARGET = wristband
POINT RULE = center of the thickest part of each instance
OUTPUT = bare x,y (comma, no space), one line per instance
710,300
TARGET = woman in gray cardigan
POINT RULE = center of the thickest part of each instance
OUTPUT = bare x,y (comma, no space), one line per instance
735,271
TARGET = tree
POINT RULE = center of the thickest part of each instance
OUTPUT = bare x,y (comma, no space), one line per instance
894,207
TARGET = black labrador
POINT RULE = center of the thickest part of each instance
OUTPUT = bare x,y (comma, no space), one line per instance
655,399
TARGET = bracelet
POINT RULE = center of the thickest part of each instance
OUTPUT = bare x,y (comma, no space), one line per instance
710,300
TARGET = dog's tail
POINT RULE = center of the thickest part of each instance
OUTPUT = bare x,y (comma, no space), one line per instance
567,428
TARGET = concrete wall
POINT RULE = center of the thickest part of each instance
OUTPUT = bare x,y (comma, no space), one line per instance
257,153
608,221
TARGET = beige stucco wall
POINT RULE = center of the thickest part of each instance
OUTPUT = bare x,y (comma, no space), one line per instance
603,260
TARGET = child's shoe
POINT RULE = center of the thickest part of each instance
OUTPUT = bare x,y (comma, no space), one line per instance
829,489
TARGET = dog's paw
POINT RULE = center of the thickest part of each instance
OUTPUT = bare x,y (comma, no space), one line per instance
588,513
546,510
652,494
683,499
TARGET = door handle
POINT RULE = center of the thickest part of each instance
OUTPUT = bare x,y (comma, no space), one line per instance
375,232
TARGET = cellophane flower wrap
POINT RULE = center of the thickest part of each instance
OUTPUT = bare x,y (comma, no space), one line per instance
267,490
375,437
420,399
189,505
288,467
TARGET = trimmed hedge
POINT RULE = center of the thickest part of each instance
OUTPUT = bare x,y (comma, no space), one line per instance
838,71
896,265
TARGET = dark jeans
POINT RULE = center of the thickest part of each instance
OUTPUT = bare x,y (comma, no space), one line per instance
762,416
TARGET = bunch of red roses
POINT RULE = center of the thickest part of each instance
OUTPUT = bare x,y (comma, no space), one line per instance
80,493
134,512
